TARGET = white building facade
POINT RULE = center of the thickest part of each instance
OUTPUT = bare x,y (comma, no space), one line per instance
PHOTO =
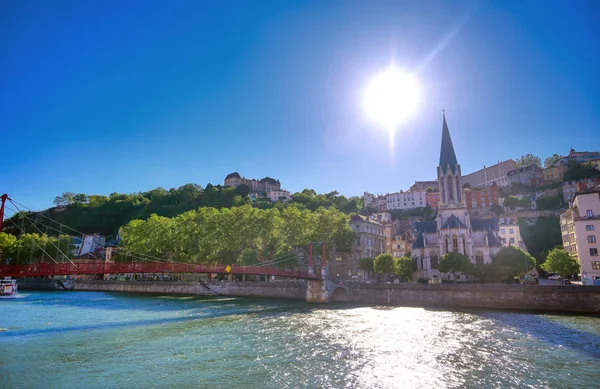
279,195
406,200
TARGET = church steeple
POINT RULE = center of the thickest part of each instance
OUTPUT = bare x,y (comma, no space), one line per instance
449,174
447,155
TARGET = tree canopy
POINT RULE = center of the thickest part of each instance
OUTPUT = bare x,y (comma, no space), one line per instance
384,264
237,235
454,262
577,171
405,267
548,162
528,160
561,262
541,236
511,261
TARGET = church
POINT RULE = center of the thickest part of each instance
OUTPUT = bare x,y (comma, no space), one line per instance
454,229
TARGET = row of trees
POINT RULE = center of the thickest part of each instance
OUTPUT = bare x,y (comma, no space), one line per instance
33,248
509,263
386,263
243,235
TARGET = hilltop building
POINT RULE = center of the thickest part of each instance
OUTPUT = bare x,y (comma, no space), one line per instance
488,176
454,229
424,185
264,185
528,175
579,225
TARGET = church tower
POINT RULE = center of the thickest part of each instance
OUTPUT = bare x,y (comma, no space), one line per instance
449,175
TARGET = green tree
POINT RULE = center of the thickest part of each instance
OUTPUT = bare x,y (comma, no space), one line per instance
384,264
366,264
243,190
8,243
528,160
548,202
577,171
511,202
248,257
548,162
525,202
454,262
561,262
511,261
541,236
405,267
497,209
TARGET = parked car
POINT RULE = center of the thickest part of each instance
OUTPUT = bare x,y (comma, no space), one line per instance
567,282
554,277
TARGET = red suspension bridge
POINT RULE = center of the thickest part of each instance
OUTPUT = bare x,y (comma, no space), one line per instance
146,264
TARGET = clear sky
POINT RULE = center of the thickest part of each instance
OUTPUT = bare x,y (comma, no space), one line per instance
125,96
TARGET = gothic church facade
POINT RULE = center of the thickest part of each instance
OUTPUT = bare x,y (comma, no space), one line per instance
454,229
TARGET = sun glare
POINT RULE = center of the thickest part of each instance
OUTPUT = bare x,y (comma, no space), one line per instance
391,97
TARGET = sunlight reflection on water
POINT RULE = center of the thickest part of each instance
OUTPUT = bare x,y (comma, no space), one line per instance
101,340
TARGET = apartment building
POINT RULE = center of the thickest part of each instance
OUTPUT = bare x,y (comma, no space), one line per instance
406,200
510,235
482,198
569,188
580,226
370,237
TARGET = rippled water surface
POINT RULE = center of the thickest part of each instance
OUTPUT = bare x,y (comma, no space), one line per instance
109,340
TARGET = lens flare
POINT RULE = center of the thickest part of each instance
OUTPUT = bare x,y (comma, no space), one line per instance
391,97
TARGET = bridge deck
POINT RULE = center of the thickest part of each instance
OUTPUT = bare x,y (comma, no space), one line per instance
50,269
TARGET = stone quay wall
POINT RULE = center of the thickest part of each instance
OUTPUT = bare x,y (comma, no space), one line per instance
544,298
559,298
278,289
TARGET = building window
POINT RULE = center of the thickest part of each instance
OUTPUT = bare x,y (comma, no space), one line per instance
594,252
455,243
595,265
591,238
434,261
479,258
511,230
446,244
589,227
590,213
511,241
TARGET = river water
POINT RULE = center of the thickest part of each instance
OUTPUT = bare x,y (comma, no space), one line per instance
111,340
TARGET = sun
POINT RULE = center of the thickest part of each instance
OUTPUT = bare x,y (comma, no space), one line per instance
391,97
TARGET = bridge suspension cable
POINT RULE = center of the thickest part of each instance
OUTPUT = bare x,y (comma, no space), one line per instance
140,256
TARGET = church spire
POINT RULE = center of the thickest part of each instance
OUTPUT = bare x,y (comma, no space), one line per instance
447,156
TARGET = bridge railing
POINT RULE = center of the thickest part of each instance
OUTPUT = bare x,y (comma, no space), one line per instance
47,269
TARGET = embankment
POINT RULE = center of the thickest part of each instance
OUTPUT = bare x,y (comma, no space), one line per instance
560,298
284,290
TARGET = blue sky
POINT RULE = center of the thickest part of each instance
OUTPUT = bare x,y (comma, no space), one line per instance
112,96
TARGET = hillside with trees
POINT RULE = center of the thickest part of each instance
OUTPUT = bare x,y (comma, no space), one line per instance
106,214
